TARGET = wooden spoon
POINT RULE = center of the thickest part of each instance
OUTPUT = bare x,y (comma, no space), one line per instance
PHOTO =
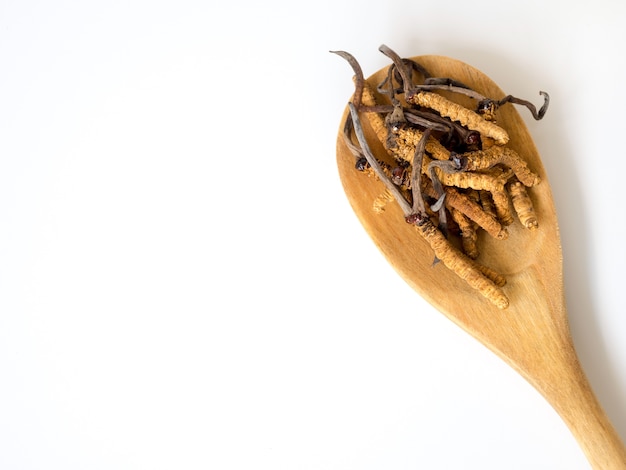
532,334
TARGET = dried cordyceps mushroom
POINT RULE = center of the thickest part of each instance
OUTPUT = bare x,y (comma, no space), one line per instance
446,165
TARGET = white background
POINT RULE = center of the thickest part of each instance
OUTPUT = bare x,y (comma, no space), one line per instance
183,283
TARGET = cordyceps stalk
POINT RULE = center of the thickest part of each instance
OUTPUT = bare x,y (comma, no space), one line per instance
469,237
404,141
484,159
523,205
461,265
458,113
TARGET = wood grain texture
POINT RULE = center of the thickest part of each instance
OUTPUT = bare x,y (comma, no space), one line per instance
532,335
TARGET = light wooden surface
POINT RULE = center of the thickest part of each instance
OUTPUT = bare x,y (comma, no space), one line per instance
532,335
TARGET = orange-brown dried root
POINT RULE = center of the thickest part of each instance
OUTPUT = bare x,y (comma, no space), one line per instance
461,202
484,159
469,237
379,126
523,205
463,266
492,181
486,202
461,114
502,207
497,278
499,194
405,142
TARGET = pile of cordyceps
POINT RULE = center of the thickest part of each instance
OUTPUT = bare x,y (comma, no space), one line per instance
452,174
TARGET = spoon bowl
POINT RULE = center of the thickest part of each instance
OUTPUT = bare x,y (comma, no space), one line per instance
532,334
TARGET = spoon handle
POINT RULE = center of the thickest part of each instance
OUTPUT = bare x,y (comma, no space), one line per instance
572,397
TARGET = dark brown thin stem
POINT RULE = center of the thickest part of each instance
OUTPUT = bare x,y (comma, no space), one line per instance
386,86
451,88
419,118
425,122
450,126
410,66
416,67
445,81
359,85
400,66
347,138
416,175
536,114
359,81
448,166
